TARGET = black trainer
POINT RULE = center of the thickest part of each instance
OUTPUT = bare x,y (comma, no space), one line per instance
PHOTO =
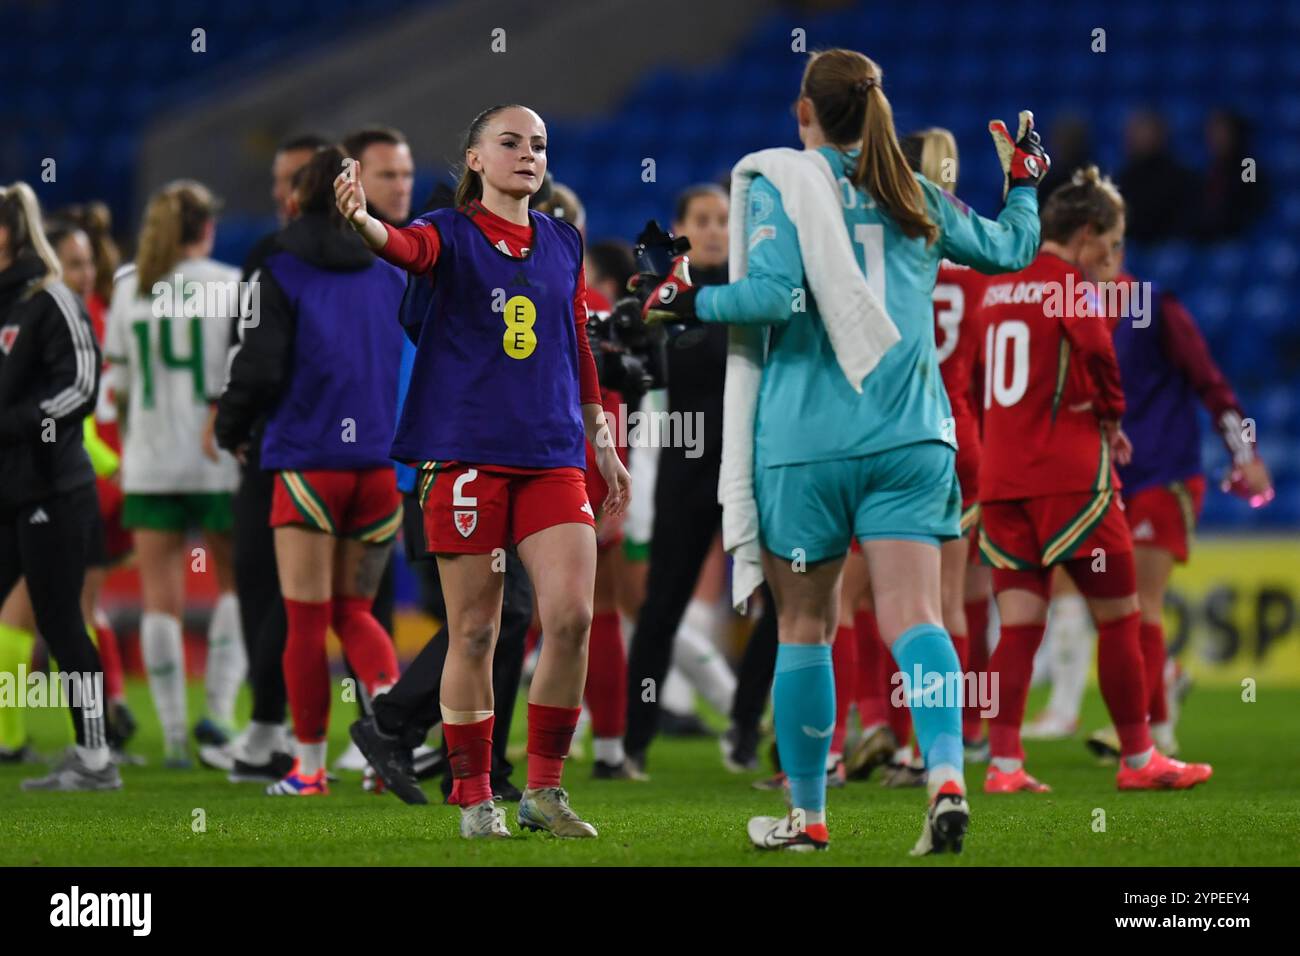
391,760
273,771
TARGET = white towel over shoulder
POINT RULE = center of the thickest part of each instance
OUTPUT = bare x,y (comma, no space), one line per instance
859,328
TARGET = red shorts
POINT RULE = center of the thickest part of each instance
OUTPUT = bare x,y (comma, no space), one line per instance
350,504
118,541
475,510
1165,516
597,489
1038,532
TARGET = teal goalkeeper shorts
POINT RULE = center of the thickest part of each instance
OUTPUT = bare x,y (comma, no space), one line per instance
811,511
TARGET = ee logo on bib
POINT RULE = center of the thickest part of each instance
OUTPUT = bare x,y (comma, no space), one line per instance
519,315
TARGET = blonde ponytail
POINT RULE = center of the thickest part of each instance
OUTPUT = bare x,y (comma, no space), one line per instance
20,211
933,153
175,217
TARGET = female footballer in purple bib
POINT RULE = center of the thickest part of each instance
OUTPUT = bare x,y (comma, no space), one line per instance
502,396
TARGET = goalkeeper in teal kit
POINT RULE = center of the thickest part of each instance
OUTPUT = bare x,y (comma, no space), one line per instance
831,462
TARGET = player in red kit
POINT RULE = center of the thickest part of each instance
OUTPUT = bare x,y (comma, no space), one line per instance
958,337
606,689
1048,488
503,397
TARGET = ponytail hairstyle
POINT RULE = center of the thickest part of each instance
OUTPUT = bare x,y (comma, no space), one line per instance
470,185
933,153
313,185
20,214
176,216
96,221
844,87
1088,199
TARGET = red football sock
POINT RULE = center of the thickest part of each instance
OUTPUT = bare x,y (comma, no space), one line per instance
1119,672
550,732
900,718
844,661
961,644
606,691
977,629
306,668
1013,665
873,706
110,656
366,644
469,752
1152,637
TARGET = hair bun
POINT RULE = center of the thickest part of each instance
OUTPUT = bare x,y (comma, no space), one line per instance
864,85
1086,175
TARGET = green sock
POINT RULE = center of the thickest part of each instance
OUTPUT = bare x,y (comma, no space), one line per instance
15,649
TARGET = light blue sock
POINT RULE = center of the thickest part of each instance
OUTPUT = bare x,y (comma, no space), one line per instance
936,711
803,698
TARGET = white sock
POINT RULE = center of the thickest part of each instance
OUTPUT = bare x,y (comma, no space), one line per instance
96,758
609,750
1070,657
676,695
311,758
163,650
811,817
936,777
1138,761
697,657
1007,764
227,661
259,740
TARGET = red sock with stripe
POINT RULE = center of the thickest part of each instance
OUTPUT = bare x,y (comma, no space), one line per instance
606,690
977,628
469,753
110,655
873,706
1012,665
1120,674
550,733
1152,638
306,668
900,718
367,645
844,662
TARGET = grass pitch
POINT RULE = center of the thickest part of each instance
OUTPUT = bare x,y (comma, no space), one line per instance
691,813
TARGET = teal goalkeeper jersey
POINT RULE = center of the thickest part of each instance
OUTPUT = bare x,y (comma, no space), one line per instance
807,411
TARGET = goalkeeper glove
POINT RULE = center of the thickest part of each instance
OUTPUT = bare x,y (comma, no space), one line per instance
668,298
1024,161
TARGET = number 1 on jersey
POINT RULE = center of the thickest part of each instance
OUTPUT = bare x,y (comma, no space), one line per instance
871,236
